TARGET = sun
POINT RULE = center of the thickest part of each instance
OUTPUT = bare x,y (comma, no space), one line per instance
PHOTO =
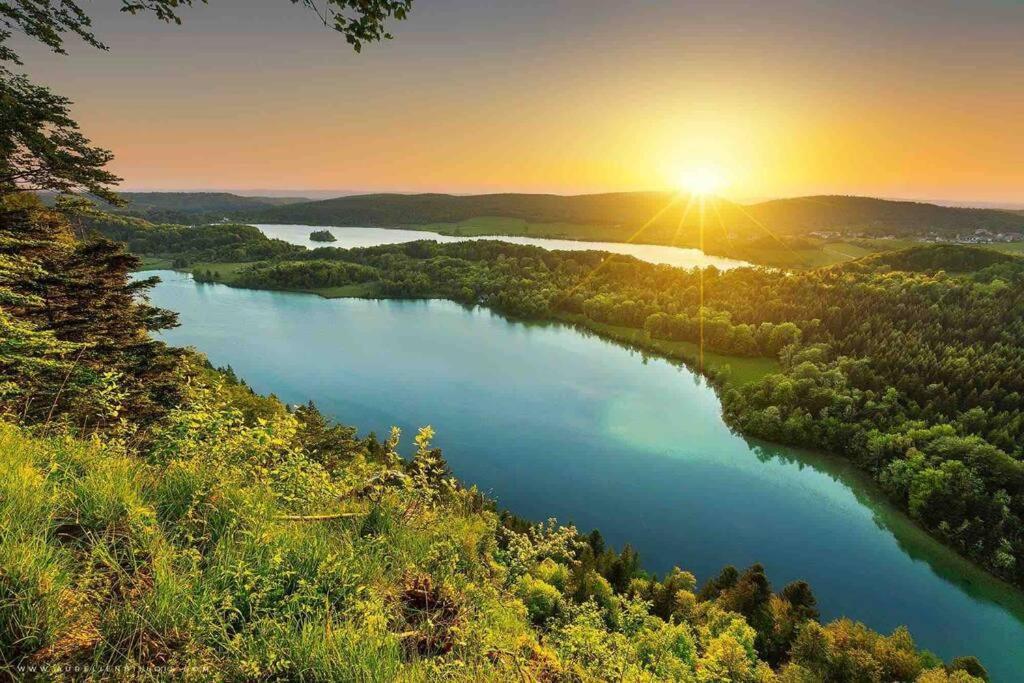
701,181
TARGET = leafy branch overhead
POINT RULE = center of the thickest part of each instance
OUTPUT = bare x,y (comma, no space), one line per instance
49,21
41,145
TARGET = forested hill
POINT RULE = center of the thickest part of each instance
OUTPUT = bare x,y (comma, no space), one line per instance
620,216
615,209
193,207
843,213
952,258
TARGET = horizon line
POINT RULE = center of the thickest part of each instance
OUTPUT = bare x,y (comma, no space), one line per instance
327,194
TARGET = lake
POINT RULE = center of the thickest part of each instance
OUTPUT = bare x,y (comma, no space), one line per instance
555,423
350,238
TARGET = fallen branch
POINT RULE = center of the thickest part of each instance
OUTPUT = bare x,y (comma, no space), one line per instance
316,518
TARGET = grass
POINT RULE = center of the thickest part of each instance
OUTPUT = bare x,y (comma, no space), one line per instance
227,271
156,263
1012,248
111,559
741,369
187,558
822,253
358,290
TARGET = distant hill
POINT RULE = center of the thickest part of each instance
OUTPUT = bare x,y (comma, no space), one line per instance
615,209
808,214
189,207
620,216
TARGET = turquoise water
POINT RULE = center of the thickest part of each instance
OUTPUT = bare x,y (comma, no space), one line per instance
349,238
555,423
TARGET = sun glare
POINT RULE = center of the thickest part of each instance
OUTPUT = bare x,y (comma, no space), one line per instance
702,181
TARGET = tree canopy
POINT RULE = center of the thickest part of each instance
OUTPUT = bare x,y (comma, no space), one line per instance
48,22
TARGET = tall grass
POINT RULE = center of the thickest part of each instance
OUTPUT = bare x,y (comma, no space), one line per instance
224,551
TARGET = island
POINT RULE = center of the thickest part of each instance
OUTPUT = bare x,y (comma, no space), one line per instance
322,236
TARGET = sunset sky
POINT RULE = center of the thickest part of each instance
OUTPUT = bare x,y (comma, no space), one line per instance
910,99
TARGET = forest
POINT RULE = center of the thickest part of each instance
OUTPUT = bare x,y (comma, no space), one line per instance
910,363
160,520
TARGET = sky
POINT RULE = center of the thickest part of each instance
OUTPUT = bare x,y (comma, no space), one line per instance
919,99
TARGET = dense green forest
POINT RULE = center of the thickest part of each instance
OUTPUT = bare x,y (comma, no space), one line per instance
221,242
160,520
909,363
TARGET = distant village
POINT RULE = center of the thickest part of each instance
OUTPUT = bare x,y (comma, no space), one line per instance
979,236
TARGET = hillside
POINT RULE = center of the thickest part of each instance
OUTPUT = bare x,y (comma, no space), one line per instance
263,544
953,258
654,217
191,207
800,215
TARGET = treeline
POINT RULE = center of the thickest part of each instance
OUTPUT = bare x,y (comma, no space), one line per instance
191,208
157,516
916,374
304,275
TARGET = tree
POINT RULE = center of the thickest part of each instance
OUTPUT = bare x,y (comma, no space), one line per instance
332,445
359,21
81,294
41,147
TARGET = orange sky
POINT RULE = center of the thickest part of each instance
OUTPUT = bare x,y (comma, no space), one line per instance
910,99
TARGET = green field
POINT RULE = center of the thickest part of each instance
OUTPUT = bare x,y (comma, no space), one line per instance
742,369
154,263
358,290
225,270
1013,248
822,253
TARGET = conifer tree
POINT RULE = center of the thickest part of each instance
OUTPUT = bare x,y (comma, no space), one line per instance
81,294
